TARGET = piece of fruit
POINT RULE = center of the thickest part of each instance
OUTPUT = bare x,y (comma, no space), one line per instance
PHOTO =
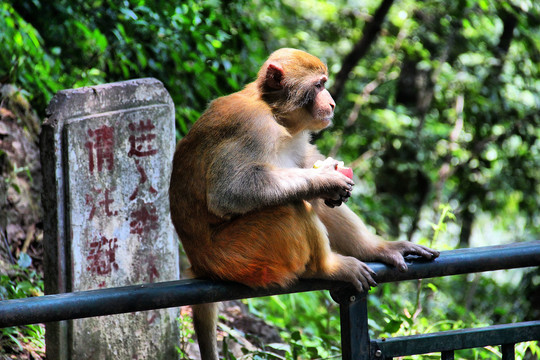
339,167
345,171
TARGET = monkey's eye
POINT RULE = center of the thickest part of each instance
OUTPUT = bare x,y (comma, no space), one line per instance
320,83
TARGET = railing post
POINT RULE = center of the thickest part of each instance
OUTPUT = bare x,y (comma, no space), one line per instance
508,352
447,355
354,323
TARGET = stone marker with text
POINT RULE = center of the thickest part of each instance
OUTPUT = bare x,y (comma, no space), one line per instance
106,154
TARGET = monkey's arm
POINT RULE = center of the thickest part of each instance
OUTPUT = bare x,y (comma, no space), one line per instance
242,178
350,236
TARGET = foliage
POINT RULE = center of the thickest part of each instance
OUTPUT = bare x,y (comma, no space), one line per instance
419,307
311,321
186,331
22,283
299,346
441,109
200,50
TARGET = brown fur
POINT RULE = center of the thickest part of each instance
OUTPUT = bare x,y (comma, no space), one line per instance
248,205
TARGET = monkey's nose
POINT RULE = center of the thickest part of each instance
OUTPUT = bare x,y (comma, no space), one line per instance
333,105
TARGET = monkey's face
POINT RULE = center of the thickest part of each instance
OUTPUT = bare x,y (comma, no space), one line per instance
322,105
292,83
313,108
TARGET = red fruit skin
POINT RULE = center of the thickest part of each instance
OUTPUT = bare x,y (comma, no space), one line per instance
345,171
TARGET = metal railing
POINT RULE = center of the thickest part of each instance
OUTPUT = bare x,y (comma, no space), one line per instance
356,343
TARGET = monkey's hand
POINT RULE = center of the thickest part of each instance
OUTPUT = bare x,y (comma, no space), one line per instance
334,187
395,251
356,272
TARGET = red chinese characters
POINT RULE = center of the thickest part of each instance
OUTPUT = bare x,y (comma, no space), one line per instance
144,219
102,256
141,139
141,145
100,147
105,204
140,212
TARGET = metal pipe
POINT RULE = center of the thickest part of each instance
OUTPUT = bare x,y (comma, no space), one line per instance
504,334
188,292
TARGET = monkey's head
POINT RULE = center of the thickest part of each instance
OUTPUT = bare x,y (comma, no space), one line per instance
292,82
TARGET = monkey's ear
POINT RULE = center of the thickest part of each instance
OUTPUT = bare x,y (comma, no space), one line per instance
274,76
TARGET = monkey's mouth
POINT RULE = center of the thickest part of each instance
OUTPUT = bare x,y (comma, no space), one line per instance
328,117
327,120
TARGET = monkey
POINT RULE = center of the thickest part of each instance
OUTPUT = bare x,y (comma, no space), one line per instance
249,207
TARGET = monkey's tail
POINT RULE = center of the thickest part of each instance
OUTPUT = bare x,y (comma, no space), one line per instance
205,322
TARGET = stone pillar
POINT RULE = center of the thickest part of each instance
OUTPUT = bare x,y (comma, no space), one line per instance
106,155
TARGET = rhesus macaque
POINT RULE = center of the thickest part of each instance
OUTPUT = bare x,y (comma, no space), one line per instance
247,203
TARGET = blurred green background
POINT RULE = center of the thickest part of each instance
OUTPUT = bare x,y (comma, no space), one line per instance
438,113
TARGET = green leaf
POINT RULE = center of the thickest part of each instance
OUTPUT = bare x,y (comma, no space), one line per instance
296,336
393,326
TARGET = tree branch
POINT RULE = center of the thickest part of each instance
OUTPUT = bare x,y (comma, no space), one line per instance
371,30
